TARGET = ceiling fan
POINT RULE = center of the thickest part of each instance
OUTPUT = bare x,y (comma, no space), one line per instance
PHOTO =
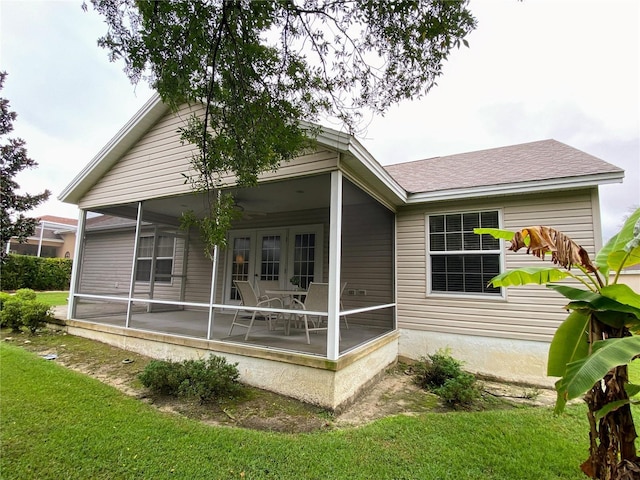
247,210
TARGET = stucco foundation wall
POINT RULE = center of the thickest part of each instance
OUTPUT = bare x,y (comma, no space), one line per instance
327,388
522,361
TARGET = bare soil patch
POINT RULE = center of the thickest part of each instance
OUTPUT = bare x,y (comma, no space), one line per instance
394,394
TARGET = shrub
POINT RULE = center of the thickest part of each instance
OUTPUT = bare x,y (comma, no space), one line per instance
35,314
25,294
434,370
24,271
162,376
206,380
460,390
22,310
4,296
11,314
442,374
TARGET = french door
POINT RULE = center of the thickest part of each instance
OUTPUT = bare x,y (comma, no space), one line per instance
285,256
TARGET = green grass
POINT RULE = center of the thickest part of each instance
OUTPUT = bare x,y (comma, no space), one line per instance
56,423
52,298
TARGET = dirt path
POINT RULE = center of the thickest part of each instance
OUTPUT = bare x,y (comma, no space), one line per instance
394,394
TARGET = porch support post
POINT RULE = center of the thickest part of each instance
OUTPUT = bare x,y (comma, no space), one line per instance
152,277
134,265
78,254
41,237
185,259
335,253
212,294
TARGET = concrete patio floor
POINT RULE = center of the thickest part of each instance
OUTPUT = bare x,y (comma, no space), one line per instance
194,323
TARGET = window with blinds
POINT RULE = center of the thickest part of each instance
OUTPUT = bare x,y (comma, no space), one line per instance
461,261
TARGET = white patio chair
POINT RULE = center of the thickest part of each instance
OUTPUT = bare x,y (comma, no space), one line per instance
250,299
316,299
264,285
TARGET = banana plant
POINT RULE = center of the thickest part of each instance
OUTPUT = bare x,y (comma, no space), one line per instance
592,348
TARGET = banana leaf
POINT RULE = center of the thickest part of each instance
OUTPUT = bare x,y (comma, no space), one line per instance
495,233
569,344
623,249
528,275
581,298
581,375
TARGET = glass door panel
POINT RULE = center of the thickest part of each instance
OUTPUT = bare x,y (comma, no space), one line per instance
270,257
304,254
240,262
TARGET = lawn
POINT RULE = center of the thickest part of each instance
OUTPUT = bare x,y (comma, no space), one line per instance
56,423
53,298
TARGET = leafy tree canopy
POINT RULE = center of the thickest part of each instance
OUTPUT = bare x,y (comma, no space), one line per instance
14,159
262,69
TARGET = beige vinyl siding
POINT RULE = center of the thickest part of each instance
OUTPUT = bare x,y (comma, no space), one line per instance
528,313
198,281
107,263
367,261
154,167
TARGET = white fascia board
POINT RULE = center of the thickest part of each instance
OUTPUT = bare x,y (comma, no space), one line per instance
56,226
518,188
345,143
148,115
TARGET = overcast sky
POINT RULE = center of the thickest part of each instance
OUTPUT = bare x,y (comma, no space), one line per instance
537,69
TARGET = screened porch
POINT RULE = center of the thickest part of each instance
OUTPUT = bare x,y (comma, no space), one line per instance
137,269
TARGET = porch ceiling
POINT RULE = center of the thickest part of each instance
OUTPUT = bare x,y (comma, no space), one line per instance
270,197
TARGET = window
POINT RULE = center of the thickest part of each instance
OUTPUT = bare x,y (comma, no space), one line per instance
164,259
460,260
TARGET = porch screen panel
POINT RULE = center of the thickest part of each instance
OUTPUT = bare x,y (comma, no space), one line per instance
270,261
304,258
240,263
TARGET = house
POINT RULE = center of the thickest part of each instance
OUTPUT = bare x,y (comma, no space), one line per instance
54,237
400,237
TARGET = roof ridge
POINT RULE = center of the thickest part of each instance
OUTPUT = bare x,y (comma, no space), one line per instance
474,151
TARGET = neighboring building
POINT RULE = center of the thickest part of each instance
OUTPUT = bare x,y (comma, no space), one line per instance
54,237
631,277
400,236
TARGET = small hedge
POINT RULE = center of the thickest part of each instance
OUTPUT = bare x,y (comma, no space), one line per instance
22,310
442,374
37,273
204,380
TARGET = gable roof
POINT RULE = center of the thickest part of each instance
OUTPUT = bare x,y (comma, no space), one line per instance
535,166
541,165
154,109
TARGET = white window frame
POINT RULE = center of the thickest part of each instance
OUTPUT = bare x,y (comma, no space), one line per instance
172,258
429,253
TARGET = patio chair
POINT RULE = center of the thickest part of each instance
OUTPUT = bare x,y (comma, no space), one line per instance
264,285
250,299
316,299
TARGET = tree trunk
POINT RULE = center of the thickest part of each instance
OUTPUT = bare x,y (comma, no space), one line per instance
612,451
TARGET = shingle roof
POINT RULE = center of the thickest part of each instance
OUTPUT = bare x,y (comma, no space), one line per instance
62,220
108,221
527,162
